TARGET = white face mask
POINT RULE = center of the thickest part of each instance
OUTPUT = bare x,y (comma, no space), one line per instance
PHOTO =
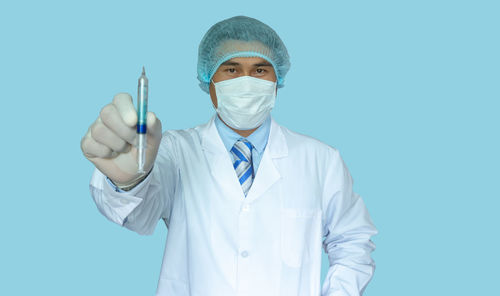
244,103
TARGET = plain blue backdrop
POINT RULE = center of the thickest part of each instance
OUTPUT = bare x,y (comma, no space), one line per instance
408,91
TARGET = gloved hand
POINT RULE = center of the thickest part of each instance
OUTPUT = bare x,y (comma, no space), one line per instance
110,142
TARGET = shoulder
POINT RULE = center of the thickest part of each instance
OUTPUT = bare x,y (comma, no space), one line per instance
176,140
178,134
187,136
301,143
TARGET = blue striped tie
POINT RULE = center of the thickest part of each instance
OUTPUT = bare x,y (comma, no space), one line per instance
242,156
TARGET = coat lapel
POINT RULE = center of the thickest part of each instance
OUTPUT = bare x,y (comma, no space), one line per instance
268,173
219,160
222,169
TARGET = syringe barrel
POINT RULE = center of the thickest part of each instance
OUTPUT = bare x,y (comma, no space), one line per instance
142,104
142,111
141,152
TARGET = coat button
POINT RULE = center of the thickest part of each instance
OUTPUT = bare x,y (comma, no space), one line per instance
244,254
246,208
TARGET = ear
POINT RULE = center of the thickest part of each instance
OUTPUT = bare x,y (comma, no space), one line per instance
213,95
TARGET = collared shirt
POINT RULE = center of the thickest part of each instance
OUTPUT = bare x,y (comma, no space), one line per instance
258,138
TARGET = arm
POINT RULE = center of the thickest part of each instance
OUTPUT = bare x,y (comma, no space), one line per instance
140,208
347,229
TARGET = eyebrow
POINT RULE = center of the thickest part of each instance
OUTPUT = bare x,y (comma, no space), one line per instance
228,63
263,64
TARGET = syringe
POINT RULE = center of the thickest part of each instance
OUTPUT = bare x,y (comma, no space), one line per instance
142,110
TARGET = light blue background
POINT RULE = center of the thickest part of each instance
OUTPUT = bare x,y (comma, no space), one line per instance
408,91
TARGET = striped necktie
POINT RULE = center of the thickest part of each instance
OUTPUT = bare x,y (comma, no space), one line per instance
242,156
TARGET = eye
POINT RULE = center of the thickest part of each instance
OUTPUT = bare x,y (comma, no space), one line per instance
231,70
260,71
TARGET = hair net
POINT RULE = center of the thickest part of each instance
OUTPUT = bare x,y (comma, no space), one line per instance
240,36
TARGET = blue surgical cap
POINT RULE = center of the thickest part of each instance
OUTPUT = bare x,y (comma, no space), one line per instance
240,36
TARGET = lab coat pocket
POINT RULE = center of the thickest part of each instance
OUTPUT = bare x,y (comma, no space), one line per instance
297,228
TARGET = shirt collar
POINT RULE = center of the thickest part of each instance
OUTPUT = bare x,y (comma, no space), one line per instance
258,138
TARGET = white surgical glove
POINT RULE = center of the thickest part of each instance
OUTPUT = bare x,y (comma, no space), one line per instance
110,142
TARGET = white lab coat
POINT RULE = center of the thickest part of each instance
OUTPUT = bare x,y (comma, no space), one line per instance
220,242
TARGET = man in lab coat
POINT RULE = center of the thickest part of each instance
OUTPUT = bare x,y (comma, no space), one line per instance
248,203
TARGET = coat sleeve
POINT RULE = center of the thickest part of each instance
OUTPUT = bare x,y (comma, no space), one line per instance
347,229
140,208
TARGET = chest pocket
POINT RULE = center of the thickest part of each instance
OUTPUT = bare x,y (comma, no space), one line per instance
299,228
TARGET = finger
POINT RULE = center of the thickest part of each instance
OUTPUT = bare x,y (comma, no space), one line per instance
104,135
154,124
125,107
92,148
111,118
